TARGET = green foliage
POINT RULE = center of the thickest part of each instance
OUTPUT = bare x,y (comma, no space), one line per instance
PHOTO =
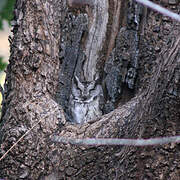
2,64
6,11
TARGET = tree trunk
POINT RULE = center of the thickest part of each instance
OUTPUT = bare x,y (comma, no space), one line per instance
91,69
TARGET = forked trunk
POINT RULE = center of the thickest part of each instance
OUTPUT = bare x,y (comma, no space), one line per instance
91,69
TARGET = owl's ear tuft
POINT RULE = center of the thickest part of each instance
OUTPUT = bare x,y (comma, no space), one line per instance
79,3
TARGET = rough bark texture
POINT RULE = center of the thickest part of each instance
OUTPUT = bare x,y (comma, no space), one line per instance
125,55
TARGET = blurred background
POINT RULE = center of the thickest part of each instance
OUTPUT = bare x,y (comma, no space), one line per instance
6,15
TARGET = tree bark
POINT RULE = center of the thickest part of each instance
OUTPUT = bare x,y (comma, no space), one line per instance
91,69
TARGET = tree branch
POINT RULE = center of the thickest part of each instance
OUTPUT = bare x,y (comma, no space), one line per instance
160,9
114,141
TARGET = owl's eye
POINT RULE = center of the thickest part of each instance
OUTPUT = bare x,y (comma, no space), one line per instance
91,86
76,91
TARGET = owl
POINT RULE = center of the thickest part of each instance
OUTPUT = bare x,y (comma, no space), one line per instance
85,100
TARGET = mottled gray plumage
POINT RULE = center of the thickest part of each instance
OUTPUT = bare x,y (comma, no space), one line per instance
85,100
